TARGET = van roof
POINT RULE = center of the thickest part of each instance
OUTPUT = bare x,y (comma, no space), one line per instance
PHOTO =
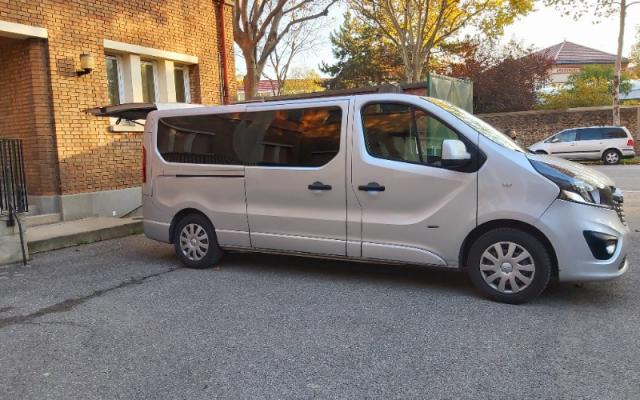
389,88
139,111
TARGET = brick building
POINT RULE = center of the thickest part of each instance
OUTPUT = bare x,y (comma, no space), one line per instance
144,51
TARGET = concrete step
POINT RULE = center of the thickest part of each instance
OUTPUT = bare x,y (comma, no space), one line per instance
72,233
42,219
33,210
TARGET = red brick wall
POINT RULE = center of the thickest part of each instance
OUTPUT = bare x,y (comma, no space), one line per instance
90,157
25,110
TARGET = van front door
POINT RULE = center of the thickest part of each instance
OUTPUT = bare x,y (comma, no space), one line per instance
564,144
413,208
296,197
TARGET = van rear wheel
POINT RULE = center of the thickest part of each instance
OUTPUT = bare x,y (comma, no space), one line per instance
611,157
195,242
509,265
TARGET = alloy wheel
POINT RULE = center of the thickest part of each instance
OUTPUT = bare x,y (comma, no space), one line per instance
194,242
612,157
507,267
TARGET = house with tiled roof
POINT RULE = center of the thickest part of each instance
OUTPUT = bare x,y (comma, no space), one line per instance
569,58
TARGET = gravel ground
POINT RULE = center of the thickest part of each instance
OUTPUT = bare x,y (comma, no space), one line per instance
120,320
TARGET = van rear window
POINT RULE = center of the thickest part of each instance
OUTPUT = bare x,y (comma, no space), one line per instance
304,137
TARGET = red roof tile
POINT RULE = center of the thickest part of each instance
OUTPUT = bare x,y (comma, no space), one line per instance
572,53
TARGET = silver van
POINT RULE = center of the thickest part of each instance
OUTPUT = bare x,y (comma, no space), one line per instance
607,143
383,177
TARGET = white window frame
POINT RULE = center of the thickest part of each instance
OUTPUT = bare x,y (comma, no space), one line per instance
121,97
187,83
123,126
156,87
130,60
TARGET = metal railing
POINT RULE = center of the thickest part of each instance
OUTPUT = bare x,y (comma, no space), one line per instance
13,185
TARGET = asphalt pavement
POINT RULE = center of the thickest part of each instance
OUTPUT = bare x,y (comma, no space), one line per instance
121,320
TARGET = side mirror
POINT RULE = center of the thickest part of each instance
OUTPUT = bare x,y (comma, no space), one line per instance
555,140
454,153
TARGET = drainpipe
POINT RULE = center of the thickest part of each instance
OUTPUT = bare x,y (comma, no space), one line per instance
223,53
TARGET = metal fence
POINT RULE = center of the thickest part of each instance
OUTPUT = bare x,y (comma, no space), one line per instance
13,186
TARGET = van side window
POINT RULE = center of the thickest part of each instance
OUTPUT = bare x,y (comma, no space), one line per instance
304,137
614,133
563,137
590,134
402,132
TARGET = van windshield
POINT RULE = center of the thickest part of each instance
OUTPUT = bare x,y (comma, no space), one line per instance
477,124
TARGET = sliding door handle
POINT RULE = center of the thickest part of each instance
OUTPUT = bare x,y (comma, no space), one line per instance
372,187
319,186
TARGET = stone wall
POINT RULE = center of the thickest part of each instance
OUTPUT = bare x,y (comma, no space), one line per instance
532,126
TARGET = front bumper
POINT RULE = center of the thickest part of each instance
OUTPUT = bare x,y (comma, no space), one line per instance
564,223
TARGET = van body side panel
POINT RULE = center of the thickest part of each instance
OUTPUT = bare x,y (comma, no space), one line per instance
283,212
153,228
510,188
354,209
219,197
425,212
217,191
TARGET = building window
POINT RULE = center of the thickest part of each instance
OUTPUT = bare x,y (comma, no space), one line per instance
149,81
114,80
181,76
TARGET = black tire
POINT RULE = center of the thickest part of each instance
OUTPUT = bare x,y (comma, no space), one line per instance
611,157
539,261
195,255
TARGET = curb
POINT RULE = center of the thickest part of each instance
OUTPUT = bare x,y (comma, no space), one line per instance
76,239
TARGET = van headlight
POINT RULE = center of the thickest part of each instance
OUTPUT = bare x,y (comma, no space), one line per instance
581,194
573,187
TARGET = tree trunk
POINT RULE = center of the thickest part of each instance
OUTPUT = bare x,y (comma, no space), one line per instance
618,66
252,77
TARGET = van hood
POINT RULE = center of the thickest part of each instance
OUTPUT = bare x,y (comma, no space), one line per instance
575,170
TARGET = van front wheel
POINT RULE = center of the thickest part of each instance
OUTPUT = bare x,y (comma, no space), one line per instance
509,265
195,242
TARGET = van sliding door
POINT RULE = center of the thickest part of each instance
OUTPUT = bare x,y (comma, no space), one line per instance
295,180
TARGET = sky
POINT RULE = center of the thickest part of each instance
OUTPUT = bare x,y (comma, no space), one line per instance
543,27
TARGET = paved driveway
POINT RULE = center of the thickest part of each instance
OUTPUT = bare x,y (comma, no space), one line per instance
120,320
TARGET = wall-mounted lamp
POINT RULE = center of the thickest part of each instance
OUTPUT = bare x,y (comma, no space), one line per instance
87,64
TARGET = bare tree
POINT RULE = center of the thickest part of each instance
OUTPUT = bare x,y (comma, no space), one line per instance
300,39
603,8
416,27
260,25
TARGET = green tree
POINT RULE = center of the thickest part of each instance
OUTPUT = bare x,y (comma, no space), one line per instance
593,86
364,57
302,81
414,28
601,72
635,56
584,93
